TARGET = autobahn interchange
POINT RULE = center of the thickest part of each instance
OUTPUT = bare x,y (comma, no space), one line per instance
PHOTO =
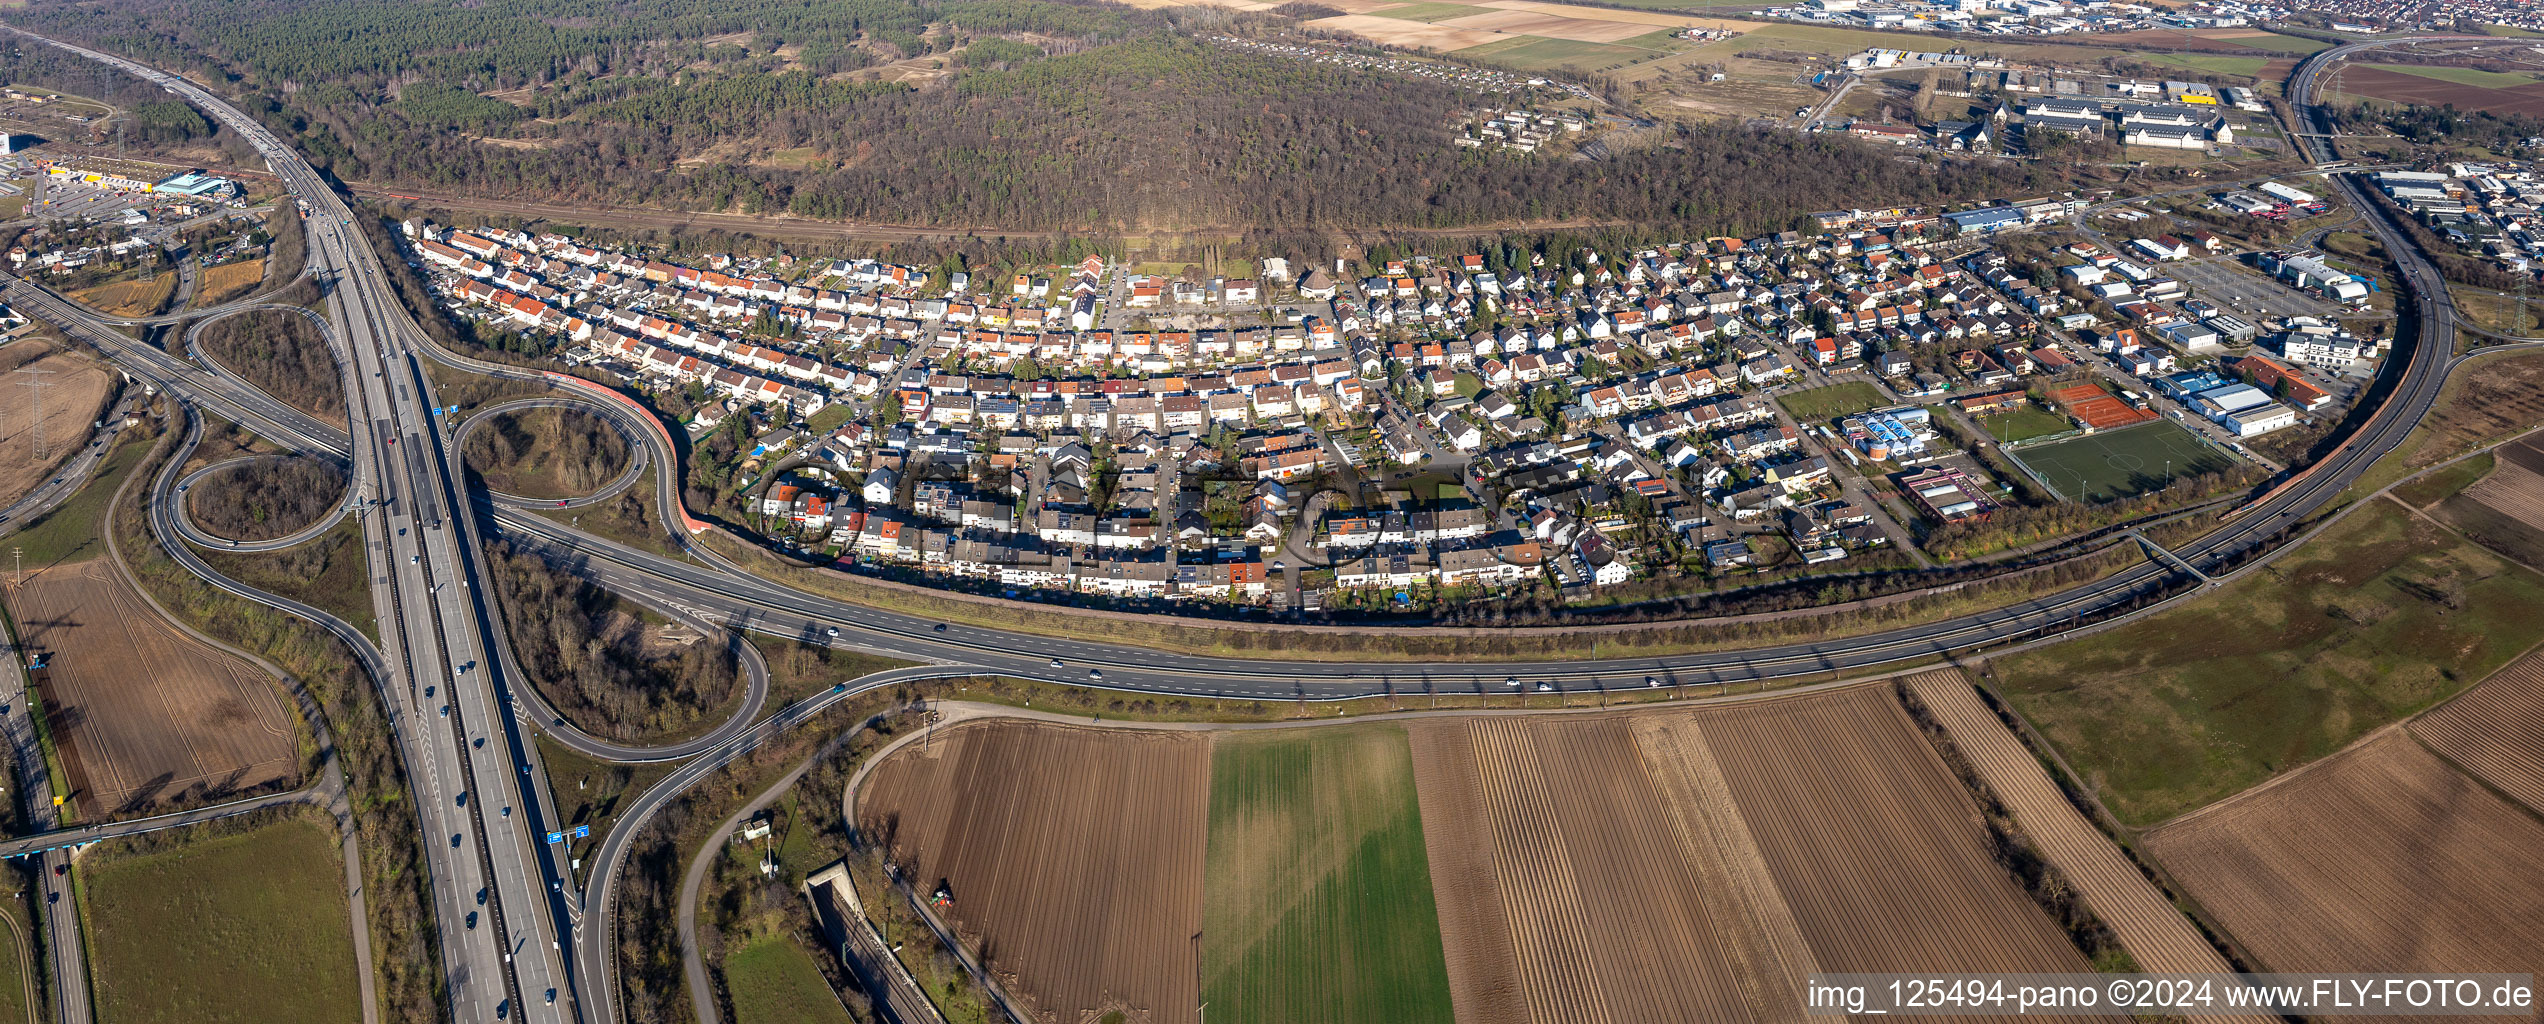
443,645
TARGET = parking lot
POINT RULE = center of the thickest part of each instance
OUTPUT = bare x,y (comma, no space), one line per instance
2245,291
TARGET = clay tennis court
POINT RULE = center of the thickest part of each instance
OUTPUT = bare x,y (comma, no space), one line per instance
2099,409
143,714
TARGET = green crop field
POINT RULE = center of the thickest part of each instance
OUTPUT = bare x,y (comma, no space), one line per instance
1429,12
2283,44
2382,616
2123,462
1317,894
16,966
774,981
2025,424
2475,77
249,928
1833,401
2214,62
1540,54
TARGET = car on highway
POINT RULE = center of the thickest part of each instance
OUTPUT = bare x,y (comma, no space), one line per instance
1545,687
1055,663
446,711
472,920
455,836
833,631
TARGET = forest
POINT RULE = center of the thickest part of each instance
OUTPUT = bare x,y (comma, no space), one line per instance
1081,117
590,656
283,354
546,453
266,498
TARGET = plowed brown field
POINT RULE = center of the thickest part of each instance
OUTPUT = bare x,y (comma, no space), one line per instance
77,392
144,714
1697,864
1074,855
2496,730
2379,858
2511,488
1874,843
2149,927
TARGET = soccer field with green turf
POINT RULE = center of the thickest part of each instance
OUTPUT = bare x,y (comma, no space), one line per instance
2120,463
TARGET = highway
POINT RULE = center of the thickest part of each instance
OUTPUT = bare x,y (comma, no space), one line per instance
476,772
499,906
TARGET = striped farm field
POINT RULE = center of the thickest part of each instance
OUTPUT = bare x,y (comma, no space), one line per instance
2155,934
2495,731
1317,904
2512,488
1695,864
1678,862
1074,857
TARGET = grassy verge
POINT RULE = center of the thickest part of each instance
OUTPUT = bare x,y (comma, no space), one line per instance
799,670
546,453
1317,902
2382,616
1378,642
69,532
589,792
629,519
327,572
2444,483
2489,398
247,927
773,981
20,999
394,878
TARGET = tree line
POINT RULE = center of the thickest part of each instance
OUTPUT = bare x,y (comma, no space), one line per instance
283,354
584,651
1143,128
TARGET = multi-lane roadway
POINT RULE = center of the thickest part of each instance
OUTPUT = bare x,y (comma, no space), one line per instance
454,695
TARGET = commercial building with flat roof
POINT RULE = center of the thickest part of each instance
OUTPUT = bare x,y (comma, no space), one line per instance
197,183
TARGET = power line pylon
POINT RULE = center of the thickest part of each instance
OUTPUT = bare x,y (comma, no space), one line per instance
35,430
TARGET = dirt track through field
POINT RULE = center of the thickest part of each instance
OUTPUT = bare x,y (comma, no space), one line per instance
2495,731
1075,858
2379,858
2149,927
141,712
77,391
